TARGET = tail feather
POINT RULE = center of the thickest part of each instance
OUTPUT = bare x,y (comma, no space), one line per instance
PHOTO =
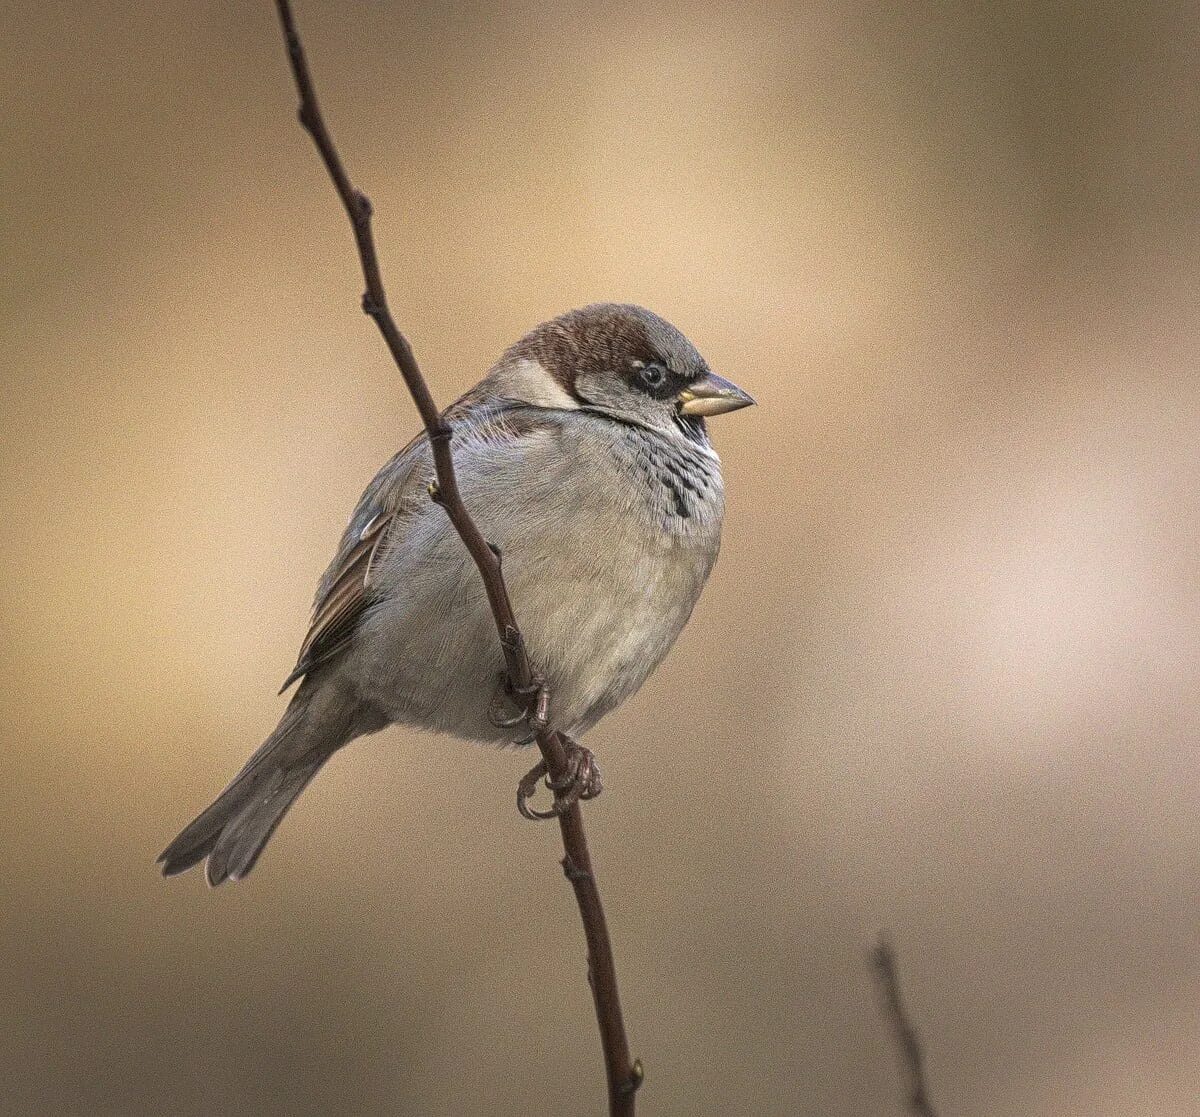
233,830
242,839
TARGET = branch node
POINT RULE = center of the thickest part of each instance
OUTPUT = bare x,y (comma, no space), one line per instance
637,1075
371,306
363,206
573,872
435,492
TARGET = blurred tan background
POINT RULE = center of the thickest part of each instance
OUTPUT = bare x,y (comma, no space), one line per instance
943,681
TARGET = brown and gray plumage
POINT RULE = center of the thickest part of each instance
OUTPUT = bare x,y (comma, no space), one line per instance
584,457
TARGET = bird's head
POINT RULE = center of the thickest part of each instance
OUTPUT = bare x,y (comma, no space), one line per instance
620,361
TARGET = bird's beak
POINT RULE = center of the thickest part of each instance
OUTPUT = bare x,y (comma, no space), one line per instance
712,395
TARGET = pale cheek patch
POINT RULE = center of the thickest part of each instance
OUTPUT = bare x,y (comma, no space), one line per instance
528,381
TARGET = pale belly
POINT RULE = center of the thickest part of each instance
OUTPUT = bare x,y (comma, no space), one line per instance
596,620
603,570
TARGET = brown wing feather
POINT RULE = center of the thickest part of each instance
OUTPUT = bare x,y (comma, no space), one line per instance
341,603
345,589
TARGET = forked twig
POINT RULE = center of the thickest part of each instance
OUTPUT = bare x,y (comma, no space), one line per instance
624,1076
912,1059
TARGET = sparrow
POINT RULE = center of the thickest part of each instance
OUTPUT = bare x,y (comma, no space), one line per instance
583,456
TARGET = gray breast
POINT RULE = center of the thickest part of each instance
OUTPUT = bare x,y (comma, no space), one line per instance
679,480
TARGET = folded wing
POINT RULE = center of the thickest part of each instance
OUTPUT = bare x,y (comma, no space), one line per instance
346,588
390,500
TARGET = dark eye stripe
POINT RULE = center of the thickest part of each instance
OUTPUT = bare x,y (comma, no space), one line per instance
657,381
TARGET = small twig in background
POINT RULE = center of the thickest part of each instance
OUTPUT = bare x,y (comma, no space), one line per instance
624,1076
912,1059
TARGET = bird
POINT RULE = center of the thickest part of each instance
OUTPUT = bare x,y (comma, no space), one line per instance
584,458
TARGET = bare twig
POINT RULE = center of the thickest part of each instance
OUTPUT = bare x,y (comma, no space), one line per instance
912,1059
624,1076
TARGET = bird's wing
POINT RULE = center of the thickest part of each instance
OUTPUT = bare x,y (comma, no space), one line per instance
344,590
383,512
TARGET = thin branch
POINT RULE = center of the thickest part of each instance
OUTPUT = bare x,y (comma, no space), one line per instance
912,1059
624,1076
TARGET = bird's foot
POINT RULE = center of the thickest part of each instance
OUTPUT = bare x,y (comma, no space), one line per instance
531,705
581,780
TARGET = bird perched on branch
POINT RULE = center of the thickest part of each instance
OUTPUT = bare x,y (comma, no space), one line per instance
584,459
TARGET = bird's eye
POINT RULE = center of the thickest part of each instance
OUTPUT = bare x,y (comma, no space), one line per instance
652,375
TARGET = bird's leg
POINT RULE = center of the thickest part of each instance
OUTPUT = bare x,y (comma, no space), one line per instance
537,709
581,780
531,703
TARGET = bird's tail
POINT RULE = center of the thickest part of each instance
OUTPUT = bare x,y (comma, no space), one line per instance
233,830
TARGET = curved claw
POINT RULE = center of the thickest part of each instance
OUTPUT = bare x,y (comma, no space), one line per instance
496,718
583,773
581,780
568,790
526,790
533,704
570,777
534,815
